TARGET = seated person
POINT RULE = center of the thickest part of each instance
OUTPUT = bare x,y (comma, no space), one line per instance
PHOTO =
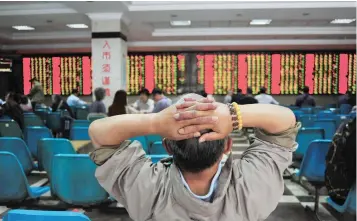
12,109
305,99
25,104
59,104
344,98
194,185
73,100
161,102
144,104
120,105
98,106
264,98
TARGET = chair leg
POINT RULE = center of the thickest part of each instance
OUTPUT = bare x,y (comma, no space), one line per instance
314,212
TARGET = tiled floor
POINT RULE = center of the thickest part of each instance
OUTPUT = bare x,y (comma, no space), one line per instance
291,206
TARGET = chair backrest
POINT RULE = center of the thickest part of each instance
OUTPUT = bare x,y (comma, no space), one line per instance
143,141
13,185
325,114
33,135
307,120
79,133
48,148
329,126
335,110
95,116
73,180
293,107
313,164
157,148
152,138
306,135
18,147
82,112
317,109
42,114
157,158
345,108
54,120
80,123
306,110
298,113
351,200
9,128
19,214
32,120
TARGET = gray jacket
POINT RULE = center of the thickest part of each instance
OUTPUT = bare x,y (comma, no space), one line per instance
248,188
36,93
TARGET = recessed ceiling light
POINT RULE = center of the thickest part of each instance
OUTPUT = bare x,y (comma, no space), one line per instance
77,25
23,28
238,15
305,14
180,23
173,16
260,22
343,21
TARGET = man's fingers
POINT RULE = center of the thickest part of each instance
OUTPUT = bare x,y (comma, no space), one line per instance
189,99
205,106
195,129
191,114
210,136
207,100
185,104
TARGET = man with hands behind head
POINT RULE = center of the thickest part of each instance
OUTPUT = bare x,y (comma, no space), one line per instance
194,185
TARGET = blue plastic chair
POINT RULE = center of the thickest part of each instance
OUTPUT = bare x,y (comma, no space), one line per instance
53,121
157,149
48,148
9,128
33,135
157,158
18,147
313,167
306,110
307,120
345,108
14,185
326,114
152,138
349,205
82,112
143,141
317,109
329,126
38,215
79,133
80,123
335,110
331,106
42,114
298,113
32,120
293,108
73,180
5,117
306,135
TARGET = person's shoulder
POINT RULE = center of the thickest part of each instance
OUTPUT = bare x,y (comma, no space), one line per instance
150,101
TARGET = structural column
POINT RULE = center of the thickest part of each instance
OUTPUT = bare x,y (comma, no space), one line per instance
109,51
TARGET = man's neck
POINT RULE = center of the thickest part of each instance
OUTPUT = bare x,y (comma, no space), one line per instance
200,182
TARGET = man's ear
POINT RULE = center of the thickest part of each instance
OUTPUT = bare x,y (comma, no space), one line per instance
166,146
228,146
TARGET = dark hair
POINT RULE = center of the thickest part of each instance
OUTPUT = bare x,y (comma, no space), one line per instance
203,93
263,90
99,93
75,91
144,91
119,103
239,90
191,156
156,91
249,90
306,89
24,99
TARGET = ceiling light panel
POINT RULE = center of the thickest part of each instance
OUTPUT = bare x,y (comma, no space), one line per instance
342,21
23,28
77,25
260,22
180,23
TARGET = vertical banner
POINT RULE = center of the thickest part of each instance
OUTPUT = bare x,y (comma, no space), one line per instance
26,67
149,72
342,82
275,75
209,86
309,69
56,71
242,72
87,75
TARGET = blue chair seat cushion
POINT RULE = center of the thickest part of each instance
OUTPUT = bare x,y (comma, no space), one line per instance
37,191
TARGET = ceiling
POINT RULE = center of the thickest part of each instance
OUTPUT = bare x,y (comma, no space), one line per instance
215,25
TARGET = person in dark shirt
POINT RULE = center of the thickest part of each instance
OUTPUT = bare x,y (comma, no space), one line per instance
98,105
248,98
59,104
305,99
238,96
344,98
12,109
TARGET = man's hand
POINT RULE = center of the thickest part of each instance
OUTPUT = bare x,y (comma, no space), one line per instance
168,122
194,110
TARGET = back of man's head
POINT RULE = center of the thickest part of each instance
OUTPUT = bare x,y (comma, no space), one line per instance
306,90
190,155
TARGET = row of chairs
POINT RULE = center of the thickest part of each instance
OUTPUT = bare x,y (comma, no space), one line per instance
342,109
19,214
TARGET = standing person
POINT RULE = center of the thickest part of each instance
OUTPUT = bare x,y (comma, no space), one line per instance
305,99
73,100
344,99
161,102
66,121
144,104
120,105
228,97
98,106
59,104
264,98
193,184
36,94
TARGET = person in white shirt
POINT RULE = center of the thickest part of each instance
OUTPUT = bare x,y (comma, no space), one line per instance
228,97
144,104
74,100
264,98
